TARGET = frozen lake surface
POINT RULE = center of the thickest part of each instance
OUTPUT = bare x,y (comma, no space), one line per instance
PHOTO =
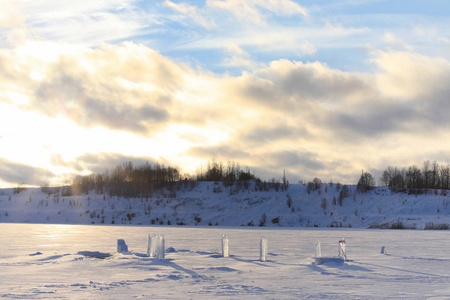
52,261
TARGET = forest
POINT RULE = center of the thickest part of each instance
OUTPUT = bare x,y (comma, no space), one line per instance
143,180
417,180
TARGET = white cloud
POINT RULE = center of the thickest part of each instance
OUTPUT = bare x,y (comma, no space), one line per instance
307,48
390,38
394,41
192,12
88,23
409,75
254,10
239,58
282,7
10,15
252,25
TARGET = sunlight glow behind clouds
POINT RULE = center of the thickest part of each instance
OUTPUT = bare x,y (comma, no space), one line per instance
140,81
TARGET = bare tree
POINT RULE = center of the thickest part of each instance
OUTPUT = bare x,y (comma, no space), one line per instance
426,174
444,173
435,175
365,182
414,178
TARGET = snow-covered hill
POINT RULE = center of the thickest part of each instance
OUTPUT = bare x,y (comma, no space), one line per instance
212,204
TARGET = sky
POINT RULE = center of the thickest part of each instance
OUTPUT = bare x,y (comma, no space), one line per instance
317,88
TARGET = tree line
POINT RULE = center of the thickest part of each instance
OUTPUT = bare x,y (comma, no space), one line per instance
417,180
126,180
228,174
129,180
143,180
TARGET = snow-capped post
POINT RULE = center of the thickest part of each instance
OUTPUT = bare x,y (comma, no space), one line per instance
383,250
121,246
151,247
225,250
263,250
319,260
341,249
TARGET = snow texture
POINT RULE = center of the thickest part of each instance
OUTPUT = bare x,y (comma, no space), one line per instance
40,261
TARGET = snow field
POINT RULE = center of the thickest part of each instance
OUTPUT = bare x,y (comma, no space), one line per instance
46,261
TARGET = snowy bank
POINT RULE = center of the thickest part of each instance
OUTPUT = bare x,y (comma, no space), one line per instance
213,204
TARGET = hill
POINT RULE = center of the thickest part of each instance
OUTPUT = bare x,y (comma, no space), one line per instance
214,204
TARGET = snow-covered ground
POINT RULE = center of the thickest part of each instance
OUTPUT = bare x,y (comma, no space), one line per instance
213,204
48,261
55,261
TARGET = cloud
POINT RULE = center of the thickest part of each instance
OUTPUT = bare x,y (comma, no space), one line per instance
220,152
18,173
259,26
355,105
390,38
332,112
81,23
300,116
193,12
125,88
266,163
418,83
72,96
310,119
239,58
294,86
254,10
394,41
314,81
409,75
268,134
10,15
282,7
295,160
286,108
371,120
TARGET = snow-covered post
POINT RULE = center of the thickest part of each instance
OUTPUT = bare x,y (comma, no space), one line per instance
151,247
156,246
341,250
318,249
160,248
263,250
319,260
225,250
121,246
